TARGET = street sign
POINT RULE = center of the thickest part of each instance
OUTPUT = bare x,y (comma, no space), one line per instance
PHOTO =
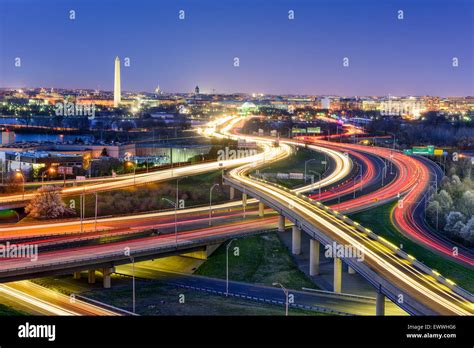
423,150
298,130
314,130
242,143
297,176
65,170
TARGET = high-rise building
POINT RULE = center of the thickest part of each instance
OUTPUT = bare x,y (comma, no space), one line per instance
326,103
196,90
117,96
8,137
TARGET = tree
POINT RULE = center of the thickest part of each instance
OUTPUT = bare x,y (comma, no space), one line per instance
47,204
454,222
467,232
445,200
466,203
433,212
104,152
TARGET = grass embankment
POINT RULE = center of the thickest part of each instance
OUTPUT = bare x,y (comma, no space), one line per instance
378,220
193,190
159,299
8,311
295,164
263,259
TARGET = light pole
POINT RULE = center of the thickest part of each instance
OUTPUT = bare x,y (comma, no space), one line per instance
130,163
285,290
175,218
19,174
51,170
2,166
394,139
83,207
210,203
391,162
355,182
95,221
319,186
227,267
384,171
245,195
305,166
133,282
325,162
338,196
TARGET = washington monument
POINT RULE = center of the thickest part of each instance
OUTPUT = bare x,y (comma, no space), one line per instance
117,97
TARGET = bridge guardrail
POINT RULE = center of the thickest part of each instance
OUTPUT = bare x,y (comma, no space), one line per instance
400,253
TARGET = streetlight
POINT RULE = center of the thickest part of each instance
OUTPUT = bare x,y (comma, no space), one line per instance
227,267
175,205
305,165
394,139
19,174
129,164
319,186
329,133
51,170
355,182
96,201
333,190
210,203
244,205
325,162
384,170
133,281
285,290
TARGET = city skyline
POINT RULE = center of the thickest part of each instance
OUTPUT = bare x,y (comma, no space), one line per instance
275,56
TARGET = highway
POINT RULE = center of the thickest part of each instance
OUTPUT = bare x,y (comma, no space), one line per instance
42,301
413,178
393,269
403,271
18,200
339,304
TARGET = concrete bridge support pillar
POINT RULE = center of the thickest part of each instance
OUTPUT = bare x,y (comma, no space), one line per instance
337,275
380,304
106,274
281,223
244,199
232,193
261,209
91,276
77,275
351,270
296,240
313,257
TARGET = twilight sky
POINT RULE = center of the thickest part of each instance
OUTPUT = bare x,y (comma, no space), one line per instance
412,56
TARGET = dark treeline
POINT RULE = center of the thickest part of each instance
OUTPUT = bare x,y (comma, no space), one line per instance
433,129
